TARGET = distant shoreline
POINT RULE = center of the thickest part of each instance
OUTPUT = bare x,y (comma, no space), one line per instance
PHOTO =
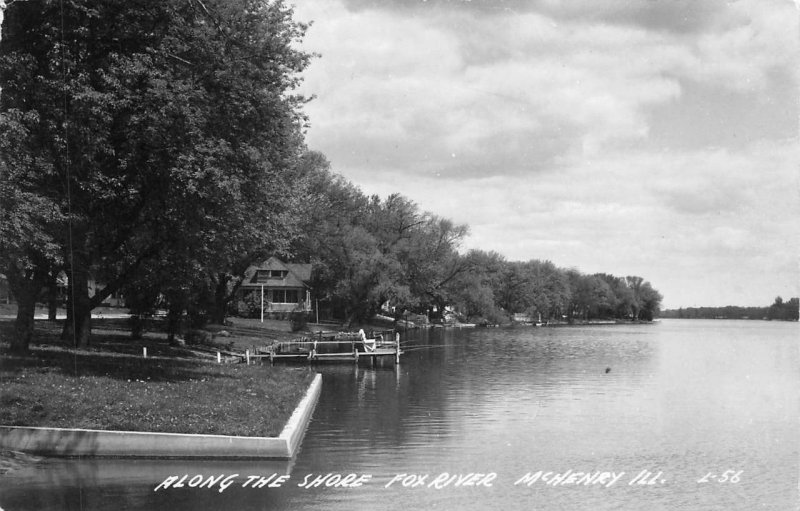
780,310
721,318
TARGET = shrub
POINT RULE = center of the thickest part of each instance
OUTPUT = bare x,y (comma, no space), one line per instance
298,320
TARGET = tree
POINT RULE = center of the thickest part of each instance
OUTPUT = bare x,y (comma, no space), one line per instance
650,300
635,283
162,126
783,310
29,253
472,292
334,239
513,288
549,289
590,295
646,301
431,260
367,251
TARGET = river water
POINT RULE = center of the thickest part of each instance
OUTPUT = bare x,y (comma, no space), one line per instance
677,415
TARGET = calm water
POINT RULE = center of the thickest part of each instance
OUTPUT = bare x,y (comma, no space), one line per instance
679,399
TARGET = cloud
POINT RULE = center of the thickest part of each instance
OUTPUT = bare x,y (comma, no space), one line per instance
676,15
631,138
669,216
522,94
749,41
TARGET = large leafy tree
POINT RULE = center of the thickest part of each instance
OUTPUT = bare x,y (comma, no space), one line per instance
367,251
419,251
343,254
29,253
433,261
164,128
590,295
783,310
472,292
547,291
650,300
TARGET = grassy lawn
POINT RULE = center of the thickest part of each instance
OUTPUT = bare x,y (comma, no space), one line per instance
110,386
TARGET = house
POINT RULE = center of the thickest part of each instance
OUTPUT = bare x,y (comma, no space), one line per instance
277,286
62,291
116,299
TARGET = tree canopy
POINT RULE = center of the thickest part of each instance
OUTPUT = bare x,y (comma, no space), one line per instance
373,254
150,132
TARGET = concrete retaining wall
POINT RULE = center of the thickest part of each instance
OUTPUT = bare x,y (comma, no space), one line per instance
86,442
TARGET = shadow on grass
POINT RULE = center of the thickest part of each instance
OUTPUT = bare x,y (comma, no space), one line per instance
110,386
110,354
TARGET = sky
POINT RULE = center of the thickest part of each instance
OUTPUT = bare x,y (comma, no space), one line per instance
633,137
650,138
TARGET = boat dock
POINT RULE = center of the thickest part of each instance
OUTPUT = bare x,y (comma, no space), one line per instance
332,346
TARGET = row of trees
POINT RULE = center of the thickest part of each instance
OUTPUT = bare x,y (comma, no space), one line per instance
368,252
149,143
158,147
779,310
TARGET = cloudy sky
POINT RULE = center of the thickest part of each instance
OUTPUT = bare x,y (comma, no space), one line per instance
652,138
635,137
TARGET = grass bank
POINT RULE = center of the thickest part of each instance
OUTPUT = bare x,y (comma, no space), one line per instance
109,386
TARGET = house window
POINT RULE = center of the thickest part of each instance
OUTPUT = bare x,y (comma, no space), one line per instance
266,275
285,296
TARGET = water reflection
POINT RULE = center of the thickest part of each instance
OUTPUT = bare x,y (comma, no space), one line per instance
53,483
681,399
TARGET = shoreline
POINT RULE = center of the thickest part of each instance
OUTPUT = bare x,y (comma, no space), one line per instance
77,442
109,386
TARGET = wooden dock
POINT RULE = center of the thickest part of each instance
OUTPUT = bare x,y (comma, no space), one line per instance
339,347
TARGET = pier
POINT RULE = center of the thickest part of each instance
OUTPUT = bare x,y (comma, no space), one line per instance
333,346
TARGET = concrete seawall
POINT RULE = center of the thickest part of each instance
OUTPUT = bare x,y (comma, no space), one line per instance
133,444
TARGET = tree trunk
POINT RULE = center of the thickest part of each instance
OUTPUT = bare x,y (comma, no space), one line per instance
23,326
137,326
221,299
26,309
25,285
78,326
52,298
173,324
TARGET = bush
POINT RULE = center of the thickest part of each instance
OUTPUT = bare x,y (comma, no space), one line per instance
250,306
298,320
199,337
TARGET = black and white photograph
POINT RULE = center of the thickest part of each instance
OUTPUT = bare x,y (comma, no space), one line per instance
400,254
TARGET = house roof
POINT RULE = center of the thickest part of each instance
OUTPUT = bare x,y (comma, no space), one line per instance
297,275
303,271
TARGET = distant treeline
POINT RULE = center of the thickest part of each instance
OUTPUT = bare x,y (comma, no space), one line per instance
780,310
